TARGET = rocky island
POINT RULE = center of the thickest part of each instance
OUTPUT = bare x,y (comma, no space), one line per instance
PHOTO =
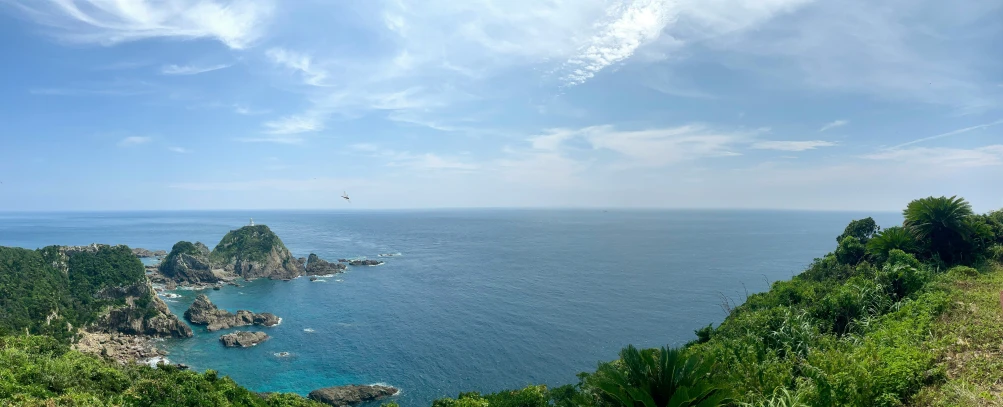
249,252
342,396
243,339
204,312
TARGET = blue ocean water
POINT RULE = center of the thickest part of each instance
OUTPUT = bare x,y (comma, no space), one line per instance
478,299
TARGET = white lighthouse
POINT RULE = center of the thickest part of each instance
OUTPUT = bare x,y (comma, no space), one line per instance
252,221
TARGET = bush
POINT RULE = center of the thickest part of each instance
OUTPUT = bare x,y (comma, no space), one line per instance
850,251
962,272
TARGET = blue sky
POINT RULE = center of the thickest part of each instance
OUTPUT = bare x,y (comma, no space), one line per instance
181,104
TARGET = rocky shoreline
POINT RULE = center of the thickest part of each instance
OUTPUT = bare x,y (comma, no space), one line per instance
121,348
343,396
204,312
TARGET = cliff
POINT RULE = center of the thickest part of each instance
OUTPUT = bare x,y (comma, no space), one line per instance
60,289
188,262
254,252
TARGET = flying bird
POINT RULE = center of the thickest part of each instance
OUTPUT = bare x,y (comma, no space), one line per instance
345,195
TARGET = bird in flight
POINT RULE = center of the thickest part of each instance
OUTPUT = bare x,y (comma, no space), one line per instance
345,195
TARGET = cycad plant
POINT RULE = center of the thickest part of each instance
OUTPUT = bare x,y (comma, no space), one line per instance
658,378
941,224
890,239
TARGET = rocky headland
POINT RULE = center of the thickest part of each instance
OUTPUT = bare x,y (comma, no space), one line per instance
342,396
204,312
243,339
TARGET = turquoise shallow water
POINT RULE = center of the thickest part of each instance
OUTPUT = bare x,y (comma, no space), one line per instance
479,299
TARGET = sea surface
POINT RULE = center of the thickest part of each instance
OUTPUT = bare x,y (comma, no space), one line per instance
477,299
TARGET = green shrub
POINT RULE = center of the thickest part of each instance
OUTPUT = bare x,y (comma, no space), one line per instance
962,272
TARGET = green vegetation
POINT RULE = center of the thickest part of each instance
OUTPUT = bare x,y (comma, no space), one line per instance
249,243
41,371
904,316
41,291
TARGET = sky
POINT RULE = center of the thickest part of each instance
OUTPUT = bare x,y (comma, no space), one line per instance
267,104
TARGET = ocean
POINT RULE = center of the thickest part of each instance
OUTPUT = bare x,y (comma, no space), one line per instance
477,300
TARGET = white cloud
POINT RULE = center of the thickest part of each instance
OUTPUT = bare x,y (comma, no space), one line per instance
294,125
991,155
791,145
425,161
833,125
553,139
235,23
663,146
950,133
179,150
247,111
303,63
190,69
134,141
629,26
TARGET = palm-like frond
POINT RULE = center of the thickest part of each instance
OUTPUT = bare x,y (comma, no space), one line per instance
658,378
941,223
889,239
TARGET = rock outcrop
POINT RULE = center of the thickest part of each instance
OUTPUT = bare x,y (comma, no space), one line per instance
143,313
365,263
120,348
341,396
204,312
255,252
141,252
188,263
243,339
317,266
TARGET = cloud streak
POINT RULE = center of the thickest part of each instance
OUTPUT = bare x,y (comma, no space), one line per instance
134,141
190,69
792,145
951,133
237,24
833,125
991,155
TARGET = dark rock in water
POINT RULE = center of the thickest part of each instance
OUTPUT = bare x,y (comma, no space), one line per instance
365,263
342,260
314,278
341,396
243,339
255,252
204,312
317,266
183,366
216,288
188,263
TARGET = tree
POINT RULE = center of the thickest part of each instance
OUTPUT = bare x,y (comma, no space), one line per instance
658,378
941,225
850,251
895,237
862,229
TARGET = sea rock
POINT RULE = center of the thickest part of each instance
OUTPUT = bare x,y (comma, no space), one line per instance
141,252
365,263
243,339
204,312
188,263
118,347
341,396
255,252
317,266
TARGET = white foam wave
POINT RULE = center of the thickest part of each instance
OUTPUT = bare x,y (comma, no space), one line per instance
397,393
282,354
152,362
339,280
169,295
319,280
278,323
308,330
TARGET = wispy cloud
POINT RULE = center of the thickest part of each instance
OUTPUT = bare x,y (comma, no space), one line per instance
663,146
190,69
179,150
424,161
791,145
247,111
119,87
303,63
134,141
833,125
236,23
950,133
294,125
627,27
991,155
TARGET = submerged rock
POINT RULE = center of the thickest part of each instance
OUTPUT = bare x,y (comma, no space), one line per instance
318,266
352,394
365,263
204,312
243,339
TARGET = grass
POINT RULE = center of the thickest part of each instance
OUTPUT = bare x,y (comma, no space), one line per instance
968,343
